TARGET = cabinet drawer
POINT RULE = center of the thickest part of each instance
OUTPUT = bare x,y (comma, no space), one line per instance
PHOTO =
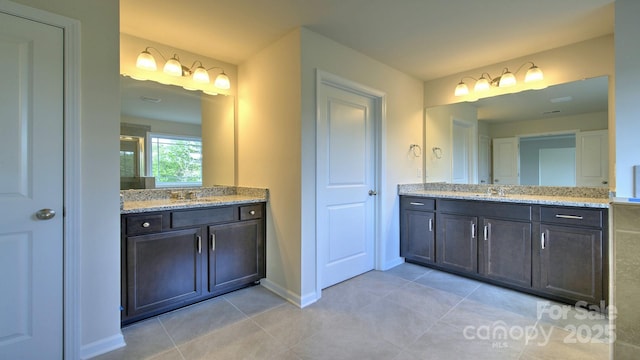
418,203
572,216
143,224
484,208
251,212
203,217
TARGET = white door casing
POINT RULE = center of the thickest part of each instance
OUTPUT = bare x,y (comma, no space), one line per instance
592,158
506,168
346,148
484,159
31,179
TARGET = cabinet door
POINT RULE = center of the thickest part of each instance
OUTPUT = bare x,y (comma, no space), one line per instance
571,262
456,242
236,255
163,269
505,251
417,238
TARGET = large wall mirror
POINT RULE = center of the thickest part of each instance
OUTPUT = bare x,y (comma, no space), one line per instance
557,136
172,137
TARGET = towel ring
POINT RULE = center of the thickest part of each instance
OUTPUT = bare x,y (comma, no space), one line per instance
437,152
416,149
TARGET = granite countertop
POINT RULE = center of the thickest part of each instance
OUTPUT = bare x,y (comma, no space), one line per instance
139,201
542,195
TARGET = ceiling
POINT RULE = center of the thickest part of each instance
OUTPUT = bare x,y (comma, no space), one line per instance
427,39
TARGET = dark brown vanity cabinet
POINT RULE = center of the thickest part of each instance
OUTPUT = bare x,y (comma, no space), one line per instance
162,269
505,251
417,232
557,252
570,255
175,258
456,243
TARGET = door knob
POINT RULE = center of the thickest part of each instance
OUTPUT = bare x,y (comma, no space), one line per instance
372,193
45,214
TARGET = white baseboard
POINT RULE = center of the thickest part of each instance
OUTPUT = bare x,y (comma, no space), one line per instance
391,264
291,297
102,346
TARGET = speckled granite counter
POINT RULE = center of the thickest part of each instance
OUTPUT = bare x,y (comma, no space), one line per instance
138,201
543,195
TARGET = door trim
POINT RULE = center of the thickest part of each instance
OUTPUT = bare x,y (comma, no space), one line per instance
380,101
71,173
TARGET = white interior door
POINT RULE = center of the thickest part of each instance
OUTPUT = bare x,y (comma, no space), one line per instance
506,161
31,179
592,158
346,174
460,159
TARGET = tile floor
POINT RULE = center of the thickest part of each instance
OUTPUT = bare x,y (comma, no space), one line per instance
409,312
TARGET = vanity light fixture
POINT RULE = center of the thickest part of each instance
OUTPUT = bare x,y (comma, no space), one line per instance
174,67
505,79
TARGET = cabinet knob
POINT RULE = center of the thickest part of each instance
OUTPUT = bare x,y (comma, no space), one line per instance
146,224
252,212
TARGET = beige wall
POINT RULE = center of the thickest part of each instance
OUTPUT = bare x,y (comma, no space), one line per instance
269,151
99,292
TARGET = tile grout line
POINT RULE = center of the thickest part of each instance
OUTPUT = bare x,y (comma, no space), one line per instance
170,338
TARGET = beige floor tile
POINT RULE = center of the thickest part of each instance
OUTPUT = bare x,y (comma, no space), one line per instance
428,301
144,339
254,300
408,271
242,340
567,345
454,284
200,319
290,324
345,340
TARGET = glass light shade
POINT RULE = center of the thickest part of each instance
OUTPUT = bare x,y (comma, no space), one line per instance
482,84
146,61
201,75
534,74
173,67
461,89
222,82
507,79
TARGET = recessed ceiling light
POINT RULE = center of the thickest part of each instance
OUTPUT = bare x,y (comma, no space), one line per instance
561,99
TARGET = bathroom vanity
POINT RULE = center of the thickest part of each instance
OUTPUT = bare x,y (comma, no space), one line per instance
551,244
179,247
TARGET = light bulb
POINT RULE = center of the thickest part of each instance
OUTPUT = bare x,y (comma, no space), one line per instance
201,75
461,89
482,84
146,61
534,74
222,81
173,67
507,79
